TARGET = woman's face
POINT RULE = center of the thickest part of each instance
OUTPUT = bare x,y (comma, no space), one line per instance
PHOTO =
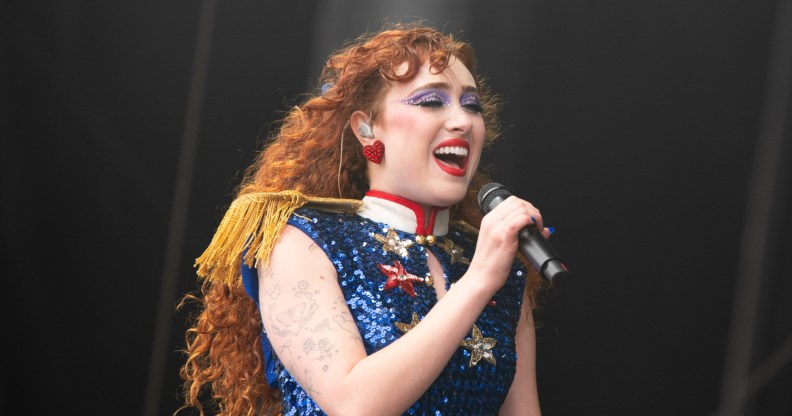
433,133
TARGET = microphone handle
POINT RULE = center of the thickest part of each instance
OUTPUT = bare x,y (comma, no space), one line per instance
544,260
538,251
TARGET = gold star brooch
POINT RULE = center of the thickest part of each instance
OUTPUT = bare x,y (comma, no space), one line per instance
454,251
393,243
406,327
479,347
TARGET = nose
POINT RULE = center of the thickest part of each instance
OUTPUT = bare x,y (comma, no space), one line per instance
459,119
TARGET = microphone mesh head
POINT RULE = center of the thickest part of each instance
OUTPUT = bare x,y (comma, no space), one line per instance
488,193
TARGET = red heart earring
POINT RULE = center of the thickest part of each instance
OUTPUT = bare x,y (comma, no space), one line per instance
374,152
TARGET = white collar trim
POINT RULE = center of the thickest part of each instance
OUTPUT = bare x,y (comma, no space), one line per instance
402,217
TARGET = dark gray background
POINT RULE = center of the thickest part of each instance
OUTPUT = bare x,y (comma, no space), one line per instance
633,124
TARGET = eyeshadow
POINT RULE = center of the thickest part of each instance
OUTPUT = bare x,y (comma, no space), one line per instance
470,99
428,97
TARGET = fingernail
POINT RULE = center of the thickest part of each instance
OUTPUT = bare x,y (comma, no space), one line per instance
533,219
551,229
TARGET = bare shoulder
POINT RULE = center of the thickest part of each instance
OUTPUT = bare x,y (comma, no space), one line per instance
295,262
296,249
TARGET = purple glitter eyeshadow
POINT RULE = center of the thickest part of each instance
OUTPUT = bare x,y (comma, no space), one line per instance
470,99
428,97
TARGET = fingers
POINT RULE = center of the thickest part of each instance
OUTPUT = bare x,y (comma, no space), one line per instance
498,238
512,215
515,212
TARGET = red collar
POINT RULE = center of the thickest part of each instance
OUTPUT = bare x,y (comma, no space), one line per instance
389,209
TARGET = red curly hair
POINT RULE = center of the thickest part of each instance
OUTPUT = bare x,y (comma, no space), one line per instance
224,355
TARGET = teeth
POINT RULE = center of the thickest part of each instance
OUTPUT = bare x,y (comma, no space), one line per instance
452,150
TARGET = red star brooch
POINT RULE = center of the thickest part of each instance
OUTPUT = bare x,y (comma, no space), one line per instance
397,276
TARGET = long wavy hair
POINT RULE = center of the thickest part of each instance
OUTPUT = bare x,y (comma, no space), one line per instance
225,365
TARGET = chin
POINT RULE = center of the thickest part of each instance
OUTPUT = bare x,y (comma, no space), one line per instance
451,195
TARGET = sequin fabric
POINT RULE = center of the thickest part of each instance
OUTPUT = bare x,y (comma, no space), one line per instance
351,243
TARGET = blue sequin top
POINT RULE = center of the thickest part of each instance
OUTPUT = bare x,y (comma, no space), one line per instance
356,246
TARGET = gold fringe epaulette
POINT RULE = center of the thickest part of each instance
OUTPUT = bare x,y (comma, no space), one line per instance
254,222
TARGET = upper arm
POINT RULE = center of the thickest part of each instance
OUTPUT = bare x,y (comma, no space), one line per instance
523,397
305,315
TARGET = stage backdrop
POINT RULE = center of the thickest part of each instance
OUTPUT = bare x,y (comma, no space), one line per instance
633,125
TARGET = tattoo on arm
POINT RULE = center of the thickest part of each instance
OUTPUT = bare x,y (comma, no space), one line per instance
302,290
324,325
320,350
292,318
344,320
286,355
273,292
291,321
308,384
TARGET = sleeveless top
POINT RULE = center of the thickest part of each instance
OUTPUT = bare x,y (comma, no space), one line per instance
379,270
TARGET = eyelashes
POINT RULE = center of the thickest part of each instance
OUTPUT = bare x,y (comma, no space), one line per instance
428,99
436,99
472,103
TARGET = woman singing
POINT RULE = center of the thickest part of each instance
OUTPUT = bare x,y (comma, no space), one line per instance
348,277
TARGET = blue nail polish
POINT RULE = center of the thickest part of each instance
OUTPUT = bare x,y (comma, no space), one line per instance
551,229
533,219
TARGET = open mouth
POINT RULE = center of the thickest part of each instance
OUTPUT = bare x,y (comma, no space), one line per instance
452,156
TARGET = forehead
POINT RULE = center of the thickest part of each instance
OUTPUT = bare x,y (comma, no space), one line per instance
455,74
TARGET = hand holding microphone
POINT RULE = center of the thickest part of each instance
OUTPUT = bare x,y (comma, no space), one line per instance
531,242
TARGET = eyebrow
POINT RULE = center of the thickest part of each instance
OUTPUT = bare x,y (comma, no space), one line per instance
443,86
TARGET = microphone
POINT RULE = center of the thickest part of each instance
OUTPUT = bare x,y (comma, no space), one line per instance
531,242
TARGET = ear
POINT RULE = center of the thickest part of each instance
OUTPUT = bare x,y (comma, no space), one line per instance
357,118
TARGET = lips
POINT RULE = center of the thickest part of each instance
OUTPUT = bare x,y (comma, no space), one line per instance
452,156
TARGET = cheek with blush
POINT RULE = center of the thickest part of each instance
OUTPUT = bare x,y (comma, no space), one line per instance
401,135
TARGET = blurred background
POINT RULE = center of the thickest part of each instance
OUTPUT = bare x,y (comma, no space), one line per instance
654,136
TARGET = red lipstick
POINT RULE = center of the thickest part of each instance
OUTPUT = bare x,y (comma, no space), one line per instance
457,156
